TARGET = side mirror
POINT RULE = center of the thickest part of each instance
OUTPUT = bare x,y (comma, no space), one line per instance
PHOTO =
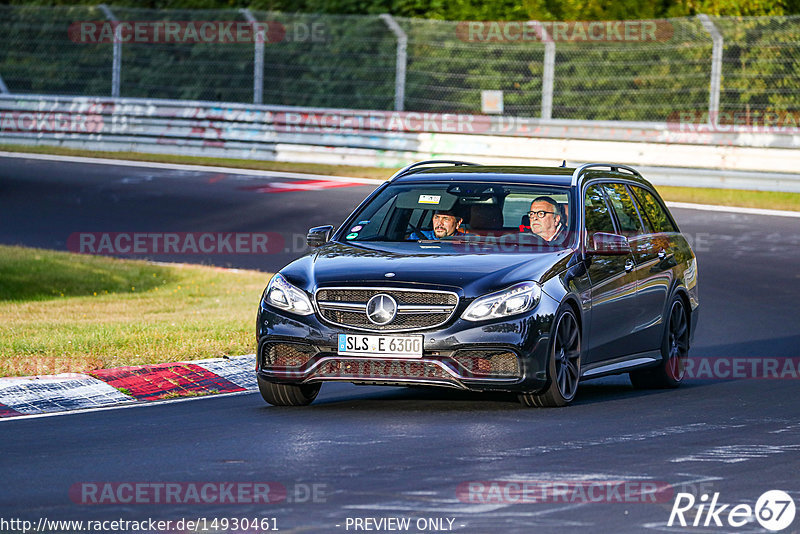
319,235
604,244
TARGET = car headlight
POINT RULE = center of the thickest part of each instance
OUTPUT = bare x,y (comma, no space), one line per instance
283,295
516,299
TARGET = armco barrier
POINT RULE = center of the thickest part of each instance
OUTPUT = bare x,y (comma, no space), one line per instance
679,154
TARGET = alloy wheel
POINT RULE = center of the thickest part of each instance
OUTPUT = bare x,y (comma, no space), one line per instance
566,355
678,342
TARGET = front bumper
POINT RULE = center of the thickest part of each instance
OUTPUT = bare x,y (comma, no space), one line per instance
498,355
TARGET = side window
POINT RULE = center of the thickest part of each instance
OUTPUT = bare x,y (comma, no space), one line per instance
622,203
598,218
655,211
377,224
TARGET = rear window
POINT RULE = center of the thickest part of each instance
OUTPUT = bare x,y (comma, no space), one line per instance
627,216
655,212
598,218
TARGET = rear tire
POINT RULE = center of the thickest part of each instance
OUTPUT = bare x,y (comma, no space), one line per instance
564,365
288,394
671,369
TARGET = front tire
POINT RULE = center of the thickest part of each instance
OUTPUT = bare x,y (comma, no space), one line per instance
670,371
564,365
288,394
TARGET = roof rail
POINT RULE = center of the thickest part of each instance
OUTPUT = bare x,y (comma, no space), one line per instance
408,168
614,167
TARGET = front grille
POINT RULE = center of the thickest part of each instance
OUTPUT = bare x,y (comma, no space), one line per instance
347,307
286,355
401,296
380,369
488,363
401,322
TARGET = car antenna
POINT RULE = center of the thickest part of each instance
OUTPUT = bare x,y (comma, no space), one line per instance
564,163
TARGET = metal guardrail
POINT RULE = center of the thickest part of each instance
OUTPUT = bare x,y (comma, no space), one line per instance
722,156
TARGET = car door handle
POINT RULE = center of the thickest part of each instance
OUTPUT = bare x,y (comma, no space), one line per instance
628,266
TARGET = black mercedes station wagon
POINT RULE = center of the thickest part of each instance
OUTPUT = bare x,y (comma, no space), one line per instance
516,279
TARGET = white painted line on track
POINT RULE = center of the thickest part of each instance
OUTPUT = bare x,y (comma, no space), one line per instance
132,404
734,209
68,393
57,393
239,370
306,176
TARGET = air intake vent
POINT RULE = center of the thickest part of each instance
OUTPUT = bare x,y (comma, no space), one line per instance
412,309
286,355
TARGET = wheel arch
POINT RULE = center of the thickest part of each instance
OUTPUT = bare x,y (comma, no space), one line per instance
681,292
571,300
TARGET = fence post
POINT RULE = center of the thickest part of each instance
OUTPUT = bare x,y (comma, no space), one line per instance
258,57
116,69
548,72
402,59
716,68
3,87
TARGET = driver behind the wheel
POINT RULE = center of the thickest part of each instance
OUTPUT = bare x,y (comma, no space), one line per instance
445,224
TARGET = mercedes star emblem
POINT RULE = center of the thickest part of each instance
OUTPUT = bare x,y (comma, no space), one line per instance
381,309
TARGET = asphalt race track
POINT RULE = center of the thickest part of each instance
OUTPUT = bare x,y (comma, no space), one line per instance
447,459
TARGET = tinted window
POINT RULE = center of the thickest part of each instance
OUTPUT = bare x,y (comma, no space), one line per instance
623,206
598,218
654,210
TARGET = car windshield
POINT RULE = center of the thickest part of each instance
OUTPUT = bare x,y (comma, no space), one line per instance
465,211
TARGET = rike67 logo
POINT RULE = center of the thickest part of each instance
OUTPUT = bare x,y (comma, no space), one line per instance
774,510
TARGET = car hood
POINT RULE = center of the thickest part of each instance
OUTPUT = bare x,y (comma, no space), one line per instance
474,268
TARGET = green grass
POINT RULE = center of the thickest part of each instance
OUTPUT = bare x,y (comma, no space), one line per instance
722,197
64,312
773,200
30,275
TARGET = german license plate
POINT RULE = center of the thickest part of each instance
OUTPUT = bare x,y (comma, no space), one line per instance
368,345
